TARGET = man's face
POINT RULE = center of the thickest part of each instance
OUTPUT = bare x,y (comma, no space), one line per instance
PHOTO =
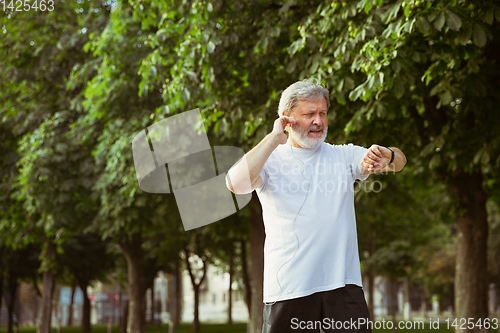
311,127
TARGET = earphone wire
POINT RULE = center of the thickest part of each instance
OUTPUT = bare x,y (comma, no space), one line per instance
293,223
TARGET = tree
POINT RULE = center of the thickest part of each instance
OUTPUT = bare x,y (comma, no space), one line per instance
86,247
20,265
419,75
112,115
36,60
196,265
429,81
233,59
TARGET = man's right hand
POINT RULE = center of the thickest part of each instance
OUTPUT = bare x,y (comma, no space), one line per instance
244,176
279,127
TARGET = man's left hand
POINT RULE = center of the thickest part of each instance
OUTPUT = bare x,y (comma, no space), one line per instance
376,159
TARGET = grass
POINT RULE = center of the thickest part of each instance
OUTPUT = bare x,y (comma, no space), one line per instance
183,328
214,328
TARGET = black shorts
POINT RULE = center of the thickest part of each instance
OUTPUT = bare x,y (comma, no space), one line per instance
339,310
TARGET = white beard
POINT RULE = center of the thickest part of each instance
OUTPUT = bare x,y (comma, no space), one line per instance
301,136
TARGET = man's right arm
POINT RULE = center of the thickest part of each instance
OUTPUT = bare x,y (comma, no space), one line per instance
244,176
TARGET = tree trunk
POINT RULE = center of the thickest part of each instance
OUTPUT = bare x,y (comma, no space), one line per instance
132,250
196,288
178,294
391,296
230,290
371,292
423,303
12,286
196,321
85,324
152,309
471,279
394,303
124,319
155,304
371,276
44,325
246,277
497,264
72,302
2,247
257,237
406,299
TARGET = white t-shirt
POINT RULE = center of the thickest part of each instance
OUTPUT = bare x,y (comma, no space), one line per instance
307,202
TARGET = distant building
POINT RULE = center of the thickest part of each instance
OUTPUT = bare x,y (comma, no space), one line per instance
214,298
108,301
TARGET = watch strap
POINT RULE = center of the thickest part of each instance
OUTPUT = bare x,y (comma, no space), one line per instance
392,156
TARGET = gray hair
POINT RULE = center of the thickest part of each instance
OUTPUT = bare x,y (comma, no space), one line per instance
305,90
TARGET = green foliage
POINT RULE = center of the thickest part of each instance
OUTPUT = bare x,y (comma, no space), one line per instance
421,75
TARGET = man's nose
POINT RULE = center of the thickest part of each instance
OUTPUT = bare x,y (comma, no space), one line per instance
317,120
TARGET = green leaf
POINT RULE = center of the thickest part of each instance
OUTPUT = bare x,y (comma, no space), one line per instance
485,159
87,46
368,7
465,34
340,85
407,11
453,21
349,83
356,93
152,71
186,94
408,27
477,157
436,89
423,24
446,98
399,88
162,34
439,22
381,110
488,17
435,161
296,46
396,65
291,65
234,38
210,47
479,35
391,12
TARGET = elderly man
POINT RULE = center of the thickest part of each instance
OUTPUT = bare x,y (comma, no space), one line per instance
312,276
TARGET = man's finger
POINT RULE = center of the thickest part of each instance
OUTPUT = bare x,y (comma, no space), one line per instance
371,164
289,120
374,149
372,156
367,159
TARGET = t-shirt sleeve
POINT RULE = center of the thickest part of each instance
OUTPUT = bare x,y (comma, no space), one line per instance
356,154
264,176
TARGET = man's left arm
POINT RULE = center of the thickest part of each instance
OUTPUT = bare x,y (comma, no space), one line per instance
377,158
